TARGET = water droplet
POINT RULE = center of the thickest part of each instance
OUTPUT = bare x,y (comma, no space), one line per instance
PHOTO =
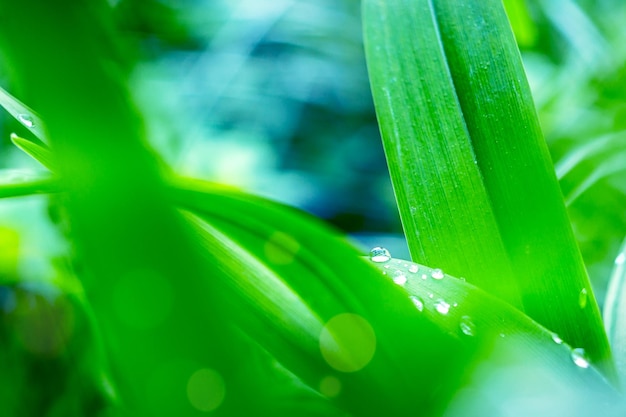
502,335
424,276
437,273
442,307
467,326
380,255
582,298
26,120
399,278
579,356
419,304
430,295
621,258
557,339
455,305
413,269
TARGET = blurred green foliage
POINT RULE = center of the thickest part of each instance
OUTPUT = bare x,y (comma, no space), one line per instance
271,97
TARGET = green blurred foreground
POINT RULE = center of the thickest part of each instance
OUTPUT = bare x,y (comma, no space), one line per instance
129,290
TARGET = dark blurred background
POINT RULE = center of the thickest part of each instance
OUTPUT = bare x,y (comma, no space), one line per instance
273,97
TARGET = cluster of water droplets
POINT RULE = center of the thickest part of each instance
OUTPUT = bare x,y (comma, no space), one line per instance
400,273
578,355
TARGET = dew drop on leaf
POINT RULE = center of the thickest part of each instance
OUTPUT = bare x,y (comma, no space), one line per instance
467,326
437,273
582,298
26,120
579,356
413,269
442,307
399,278
419,304
557,339
380,255
621,258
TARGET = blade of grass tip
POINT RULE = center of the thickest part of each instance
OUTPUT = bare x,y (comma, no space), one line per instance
518,174
444,207
38,150
615,311
23,114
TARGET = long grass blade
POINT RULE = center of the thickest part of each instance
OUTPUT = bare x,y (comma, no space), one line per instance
615,311
443,63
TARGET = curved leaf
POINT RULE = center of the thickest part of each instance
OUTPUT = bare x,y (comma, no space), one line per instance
445,312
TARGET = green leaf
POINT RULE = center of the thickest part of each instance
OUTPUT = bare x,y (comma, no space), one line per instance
615,311
444,206
36,149
16,183
450,314
24,114
450,92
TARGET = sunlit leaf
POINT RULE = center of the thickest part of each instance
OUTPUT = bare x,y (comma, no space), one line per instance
469,165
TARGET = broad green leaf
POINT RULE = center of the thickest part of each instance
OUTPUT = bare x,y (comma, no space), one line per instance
24,114
436,65
615,311
485,327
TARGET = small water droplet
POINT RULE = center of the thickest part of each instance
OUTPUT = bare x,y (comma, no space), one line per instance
437,273
621,258
467,326
442,307
579,356
557,339
419,304
413,269
380,255
431,295
399,278
582,298
455,305
26,120
502,335
424,276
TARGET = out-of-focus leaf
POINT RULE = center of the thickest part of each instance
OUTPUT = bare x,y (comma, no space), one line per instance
521,22
48,348
615,311
37,149
15,183
451,92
